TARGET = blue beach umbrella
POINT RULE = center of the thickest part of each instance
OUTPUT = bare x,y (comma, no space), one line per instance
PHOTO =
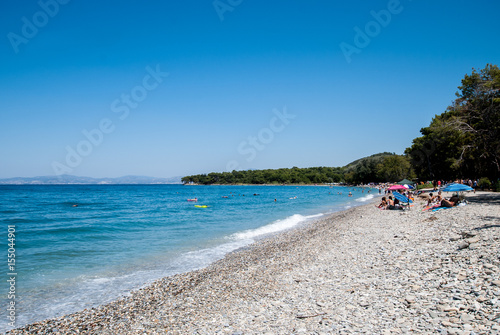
457,188
402,198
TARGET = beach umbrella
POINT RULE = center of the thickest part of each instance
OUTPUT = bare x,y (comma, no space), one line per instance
457,188
397,187
408,186
402,198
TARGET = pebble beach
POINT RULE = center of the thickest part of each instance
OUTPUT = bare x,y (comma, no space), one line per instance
360,271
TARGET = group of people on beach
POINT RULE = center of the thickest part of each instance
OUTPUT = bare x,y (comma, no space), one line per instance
439,201
472,183
433,201
390,203
385,203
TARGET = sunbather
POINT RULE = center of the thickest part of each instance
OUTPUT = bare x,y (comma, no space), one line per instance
383,203
434,200
431,199
390,203
453,201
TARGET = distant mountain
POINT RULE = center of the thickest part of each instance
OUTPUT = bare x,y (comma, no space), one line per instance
68,179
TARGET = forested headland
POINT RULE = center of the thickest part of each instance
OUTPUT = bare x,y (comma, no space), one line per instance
369,169
462,142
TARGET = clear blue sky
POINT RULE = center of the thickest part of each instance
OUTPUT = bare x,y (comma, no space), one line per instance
86,66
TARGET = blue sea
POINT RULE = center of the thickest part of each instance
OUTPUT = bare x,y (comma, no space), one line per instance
78,246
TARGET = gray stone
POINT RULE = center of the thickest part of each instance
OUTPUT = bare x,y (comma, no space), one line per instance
467,234
473,240
410,299
466,318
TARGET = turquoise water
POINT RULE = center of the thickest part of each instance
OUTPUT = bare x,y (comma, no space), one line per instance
77,246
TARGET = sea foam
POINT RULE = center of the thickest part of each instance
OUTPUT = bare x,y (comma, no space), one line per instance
274,227
366,198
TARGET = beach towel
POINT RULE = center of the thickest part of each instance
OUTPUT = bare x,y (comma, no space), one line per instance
440,208
430,207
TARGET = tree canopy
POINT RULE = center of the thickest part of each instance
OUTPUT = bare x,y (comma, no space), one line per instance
295,175
463,141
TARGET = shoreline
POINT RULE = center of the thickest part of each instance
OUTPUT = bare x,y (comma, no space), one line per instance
256,239
361,269
322,185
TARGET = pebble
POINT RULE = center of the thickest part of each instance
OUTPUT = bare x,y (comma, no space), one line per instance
467,318
361,271
472,240
410,299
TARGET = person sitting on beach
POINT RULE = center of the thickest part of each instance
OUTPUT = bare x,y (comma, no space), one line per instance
431,199
434,200
390,203
394,204
450,203
383,203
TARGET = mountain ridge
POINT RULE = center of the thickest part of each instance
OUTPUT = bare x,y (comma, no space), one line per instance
81,180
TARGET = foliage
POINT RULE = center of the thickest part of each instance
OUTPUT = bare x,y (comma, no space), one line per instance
435,155
379,167
370,169
464,141
367,160
484,183
383,167
496,187
421,186
394,168
295,175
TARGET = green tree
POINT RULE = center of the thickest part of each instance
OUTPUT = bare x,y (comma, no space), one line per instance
478,109
436,154
394,168
464,141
